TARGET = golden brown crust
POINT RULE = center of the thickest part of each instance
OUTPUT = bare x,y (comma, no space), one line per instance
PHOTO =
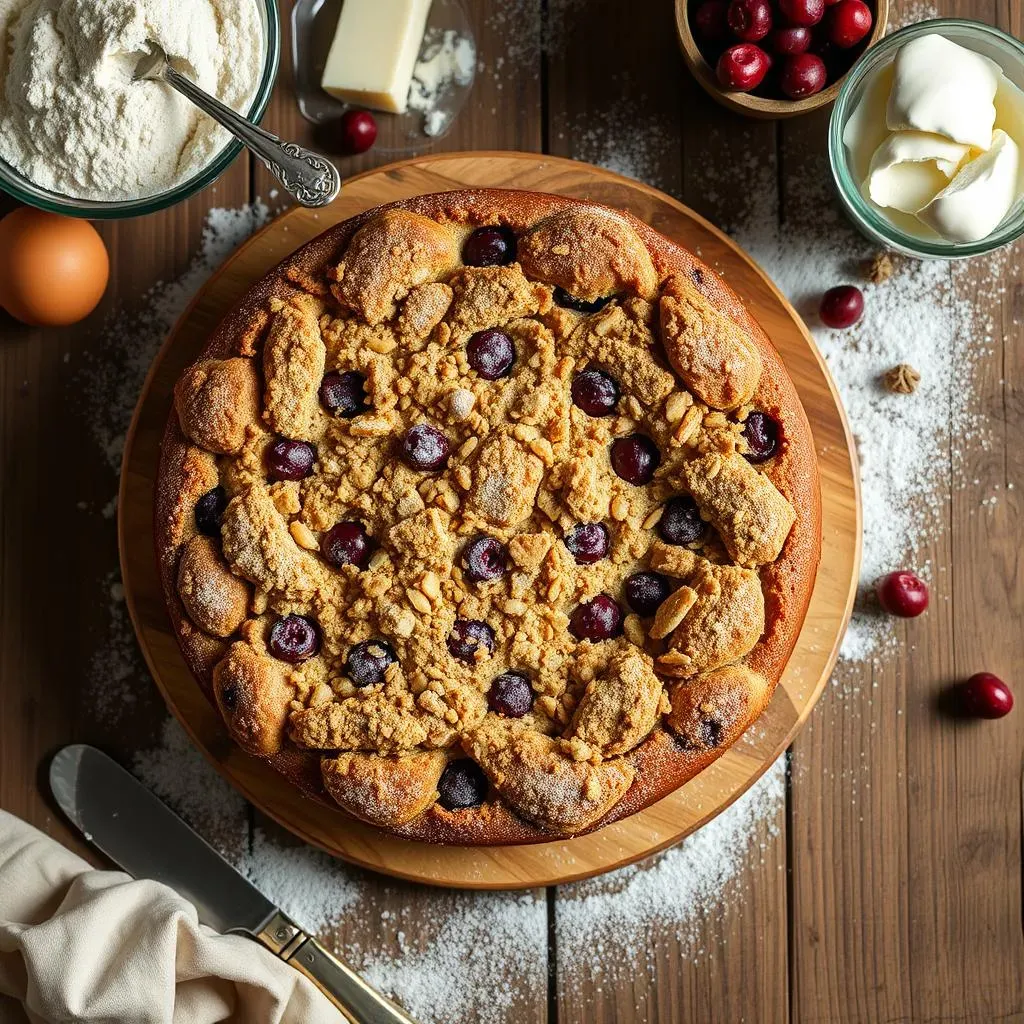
713,710
384,791
217,401
215,600
253,696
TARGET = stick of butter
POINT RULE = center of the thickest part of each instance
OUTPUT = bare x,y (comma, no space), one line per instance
374,52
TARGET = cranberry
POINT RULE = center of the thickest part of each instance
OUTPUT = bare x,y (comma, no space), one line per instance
567,301
742,67
598,619
485,559
511,695
357,130
425,447
491,246
902,593
368,661
750,20
635,458
588,542
761,433
469,636
210,510
802,12
986,696
462,784
710,21
294,638
789,41
802,75
343,393
347,543
645,591
491,353
291,460
595,392
680,522
849,21
842,306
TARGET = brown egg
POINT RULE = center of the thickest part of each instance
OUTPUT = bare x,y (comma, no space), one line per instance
53,269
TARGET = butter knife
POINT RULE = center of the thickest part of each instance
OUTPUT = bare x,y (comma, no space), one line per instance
119,816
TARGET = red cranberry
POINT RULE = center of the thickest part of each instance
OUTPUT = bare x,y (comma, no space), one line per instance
790,41
491,246
347,543
802,75
680,521
210,511
849,21
511,695
802,12
902,593
598,619
588,542
594,392
842,306
294,638
462,784
986,696
367,662
290,460
485,559
425,447
761,433
645,592
491,353
567,301
635,458
343,393
710,22
750,20
358,131
742,67
469,636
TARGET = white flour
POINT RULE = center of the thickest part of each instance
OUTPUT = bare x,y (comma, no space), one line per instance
72,120
446,59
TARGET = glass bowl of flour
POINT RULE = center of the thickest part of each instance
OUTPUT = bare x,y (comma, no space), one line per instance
79,137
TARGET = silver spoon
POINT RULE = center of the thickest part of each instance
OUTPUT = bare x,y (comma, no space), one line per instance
310,178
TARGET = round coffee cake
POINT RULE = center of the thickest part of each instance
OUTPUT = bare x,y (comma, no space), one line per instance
488,517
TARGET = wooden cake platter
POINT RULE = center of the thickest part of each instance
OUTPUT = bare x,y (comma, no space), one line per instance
668,820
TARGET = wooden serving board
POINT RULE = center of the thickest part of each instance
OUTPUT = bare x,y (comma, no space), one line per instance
668,820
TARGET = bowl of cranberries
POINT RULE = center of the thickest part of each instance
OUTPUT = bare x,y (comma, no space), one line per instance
776,58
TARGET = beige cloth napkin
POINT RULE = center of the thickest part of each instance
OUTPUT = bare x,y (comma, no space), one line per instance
97,947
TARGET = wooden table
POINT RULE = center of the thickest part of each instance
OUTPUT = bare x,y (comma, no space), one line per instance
889,885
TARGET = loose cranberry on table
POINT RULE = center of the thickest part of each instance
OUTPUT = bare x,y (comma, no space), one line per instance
511,695
787,42
743,67
425,447
485,559
290,460
595,392
750,20
710,21
848,22
344,394
902,593
294,638
347,543
357,130
469,636
802,12
597,619
985,696
367,662
646,592
842,306
802,75
635,458
588,542
761,432
490,246
462,784
491,353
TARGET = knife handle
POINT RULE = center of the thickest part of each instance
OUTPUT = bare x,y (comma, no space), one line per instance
360,1003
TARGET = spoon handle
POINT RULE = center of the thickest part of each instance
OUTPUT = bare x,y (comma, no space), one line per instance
310,178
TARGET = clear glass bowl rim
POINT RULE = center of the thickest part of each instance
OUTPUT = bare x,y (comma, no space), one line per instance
858,208
22,189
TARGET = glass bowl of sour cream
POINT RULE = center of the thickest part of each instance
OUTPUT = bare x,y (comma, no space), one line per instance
907,140
111,135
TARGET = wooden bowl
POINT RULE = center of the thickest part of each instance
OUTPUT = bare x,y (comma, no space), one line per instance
760,106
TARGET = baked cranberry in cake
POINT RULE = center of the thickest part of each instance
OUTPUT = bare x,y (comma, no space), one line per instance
680,521
210,511
468,636
485,559
290,460
635,458
597,619
588,542
344,394
491,353
462,784
490,246
294,638
511,695
646,591
567,301
595,392
368,660
761,432
425,447
347,543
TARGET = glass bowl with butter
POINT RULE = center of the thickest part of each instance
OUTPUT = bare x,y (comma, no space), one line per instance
926,140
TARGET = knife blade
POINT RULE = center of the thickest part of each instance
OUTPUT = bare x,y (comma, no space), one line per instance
136,830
